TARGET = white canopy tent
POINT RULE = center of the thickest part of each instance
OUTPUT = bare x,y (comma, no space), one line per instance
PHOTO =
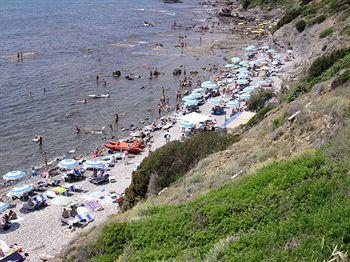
195,118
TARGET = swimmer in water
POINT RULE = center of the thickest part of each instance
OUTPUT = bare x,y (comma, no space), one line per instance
77,129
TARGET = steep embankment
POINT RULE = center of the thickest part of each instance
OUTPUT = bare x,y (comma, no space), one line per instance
281,192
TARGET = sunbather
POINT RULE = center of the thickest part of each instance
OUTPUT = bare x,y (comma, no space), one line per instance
65,213
73,211
12,215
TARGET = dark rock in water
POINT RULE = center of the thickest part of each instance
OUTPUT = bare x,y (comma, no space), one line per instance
177,71
116,73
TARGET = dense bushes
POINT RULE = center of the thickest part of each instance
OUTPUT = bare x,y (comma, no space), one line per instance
317,20
324,62
300,25
288,17
295,210
172,161
258,99
259,115
326,32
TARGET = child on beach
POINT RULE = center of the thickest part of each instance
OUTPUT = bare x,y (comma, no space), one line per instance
126,157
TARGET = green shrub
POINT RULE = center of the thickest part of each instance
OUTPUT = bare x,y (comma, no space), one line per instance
324,62
277,122
317,20
300,25
170,162
288,17
258,99
341,79
326,32
346,30
295,210
259,115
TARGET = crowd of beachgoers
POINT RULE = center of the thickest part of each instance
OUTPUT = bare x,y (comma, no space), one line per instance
41,217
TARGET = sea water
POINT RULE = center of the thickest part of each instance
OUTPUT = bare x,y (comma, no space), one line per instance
65,44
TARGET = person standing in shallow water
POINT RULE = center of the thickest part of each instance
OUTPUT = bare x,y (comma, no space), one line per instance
116,119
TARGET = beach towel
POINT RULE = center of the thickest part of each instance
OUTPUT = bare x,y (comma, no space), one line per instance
93,205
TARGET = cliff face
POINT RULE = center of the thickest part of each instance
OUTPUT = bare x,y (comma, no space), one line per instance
281,192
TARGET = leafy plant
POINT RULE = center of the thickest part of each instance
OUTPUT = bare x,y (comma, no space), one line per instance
300,25
318,19
258,99
288,17
326,32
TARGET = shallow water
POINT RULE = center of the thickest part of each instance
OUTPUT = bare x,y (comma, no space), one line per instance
66,44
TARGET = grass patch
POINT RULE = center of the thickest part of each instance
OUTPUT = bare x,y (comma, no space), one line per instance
293,210
170,162
260,115
346,30
300,25
288,17
317,20
326,32
259,98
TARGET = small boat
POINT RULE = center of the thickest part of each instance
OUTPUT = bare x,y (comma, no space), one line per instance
106,95
148,24
123,146
172,1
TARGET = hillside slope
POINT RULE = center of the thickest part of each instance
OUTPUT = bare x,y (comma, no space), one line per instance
281,193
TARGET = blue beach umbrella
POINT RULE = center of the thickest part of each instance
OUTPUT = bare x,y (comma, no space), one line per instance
3,206
68,164
232,104
250,48
215,101
14,175
242,82
209,85
93,164
186,124
20,190
235,60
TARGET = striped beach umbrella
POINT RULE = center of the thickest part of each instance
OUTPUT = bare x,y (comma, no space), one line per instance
14,175
92,164
20,190
3,206
232,104
68,164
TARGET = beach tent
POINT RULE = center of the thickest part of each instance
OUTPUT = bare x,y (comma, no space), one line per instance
235,60
232,104
209,85
195,118
14,175
215,101
93,164
186,124
61,201
20,190
68,164
3,206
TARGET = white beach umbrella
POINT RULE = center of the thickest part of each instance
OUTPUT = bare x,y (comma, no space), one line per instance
232,104
61,201
186,124
235,60
93,164
20,190
14,175
209,85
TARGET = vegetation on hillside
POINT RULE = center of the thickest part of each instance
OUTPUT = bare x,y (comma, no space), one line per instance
172,161
259,98
287,211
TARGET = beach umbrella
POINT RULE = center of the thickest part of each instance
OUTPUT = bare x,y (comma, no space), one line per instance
271,51
232,104
191,102
265,47
242,82
235,60
20,190
215,101
248,89
3,206
250,48
196,95
93,164
262,83
242,75
186,98
14,175
229,66
197,90
209,85
61,201
244,64
186,124
68,164
265,68
244,96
